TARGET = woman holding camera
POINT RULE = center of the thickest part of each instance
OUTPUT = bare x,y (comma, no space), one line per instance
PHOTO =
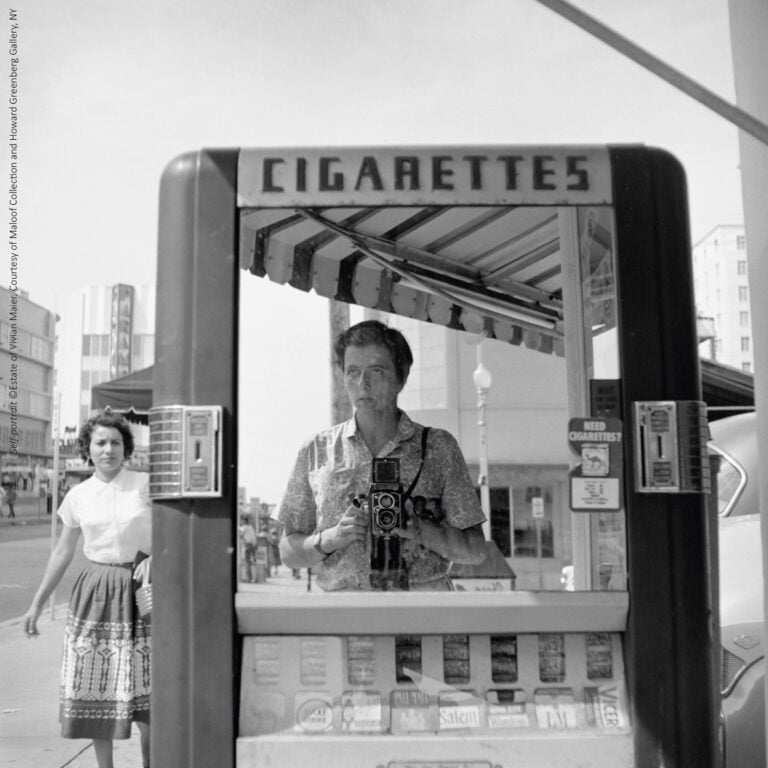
325,525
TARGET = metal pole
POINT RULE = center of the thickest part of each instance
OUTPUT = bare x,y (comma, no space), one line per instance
482,379
55,489
538,553
740,118
749,27
338,318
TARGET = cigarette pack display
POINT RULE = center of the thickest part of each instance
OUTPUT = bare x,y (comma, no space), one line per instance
555,708
551,658
460,711
362,712
506,709
413,712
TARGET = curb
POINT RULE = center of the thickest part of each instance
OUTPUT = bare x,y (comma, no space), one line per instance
13,622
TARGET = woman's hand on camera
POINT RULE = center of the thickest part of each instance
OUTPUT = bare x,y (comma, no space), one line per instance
353,526
416,529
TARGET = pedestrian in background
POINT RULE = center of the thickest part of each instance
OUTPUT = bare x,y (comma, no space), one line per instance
105,679
10,499
273,552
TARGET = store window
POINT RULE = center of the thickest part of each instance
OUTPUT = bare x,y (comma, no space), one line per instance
533,528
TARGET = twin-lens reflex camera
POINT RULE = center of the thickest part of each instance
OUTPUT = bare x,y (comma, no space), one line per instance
385,504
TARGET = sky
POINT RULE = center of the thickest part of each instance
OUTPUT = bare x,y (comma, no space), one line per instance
111,91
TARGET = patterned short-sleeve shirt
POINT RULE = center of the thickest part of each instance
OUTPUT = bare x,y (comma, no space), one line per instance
336,463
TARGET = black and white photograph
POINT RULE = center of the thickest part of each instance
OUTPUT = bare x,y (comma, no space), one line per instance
383,383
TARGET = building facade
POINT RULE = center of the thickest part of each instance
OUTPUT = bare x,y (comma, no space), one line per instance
27,345
721,285
117,335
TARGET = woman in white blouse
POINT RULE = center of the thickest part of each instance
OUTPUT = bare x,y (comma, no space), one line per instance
106,670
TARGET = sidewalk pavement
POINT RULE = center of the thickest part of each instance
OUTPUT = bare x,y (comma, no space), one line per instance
30,509
29,703
29,694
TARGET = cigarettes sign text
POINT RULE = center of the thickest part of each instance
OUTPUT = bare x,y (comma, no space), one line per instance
419,176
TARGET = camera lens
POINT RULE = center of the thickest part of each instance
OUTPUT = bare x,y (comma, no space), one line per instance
386,500
387,519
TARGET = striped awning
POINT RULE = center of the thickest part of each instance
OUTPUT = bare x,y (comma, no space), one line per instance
491,269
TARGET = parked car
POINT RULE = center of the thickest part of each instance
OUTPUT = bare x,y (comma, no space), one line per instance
742,628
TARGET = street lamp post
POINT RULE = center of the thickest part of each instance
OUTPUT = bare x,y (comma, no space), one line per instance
482,378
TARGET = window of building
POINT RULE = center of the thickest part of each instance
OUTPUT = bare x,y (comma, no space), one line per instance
744,319
745,343
741,267
743,293
533,535
741,243
500,520
746,367
39,405
86,345
23,343
40,349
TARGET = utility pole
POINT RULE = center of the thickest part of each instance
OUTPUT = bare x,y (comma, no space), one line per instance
749,31
341,408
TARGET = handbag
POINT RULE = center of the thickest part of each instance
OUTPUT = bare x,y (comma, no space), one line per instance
144,597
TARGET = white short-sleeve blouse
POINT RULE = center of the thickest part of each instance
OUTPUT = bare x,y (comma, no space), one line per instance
115,517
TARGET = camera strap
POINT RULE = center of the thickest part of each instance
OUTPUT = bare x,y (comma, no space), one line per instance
424,433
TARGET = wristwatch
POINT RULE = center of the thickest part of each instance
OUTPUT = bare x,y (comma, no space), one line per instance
318,545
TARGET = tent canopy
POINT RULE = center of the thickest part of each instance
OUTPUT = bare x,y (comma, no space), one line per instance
130,395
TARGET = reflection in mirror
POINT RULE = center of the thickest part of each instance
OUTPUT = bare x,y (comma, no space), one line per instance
477,293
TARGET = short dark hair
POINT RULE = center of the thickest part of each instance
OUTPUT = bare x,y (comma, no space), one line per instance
105,418
375,332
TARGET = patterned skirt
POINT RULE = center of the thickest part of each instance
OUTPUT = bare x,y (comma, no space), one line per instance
105,676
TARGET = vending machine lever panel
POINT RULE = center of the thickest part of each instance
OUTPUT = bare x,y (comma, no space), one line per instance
185,443
671,447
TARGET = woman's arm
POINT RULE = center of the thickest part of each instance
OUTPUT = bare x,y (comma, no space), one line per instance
58,563
465,546
298,550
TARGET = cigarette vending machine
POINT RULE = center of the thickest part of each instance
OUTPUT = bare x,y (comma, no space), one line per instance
574,257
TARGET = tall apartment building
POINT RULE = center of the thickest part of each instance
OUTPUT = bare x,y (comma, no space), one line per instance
117,335
27,343
721,286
